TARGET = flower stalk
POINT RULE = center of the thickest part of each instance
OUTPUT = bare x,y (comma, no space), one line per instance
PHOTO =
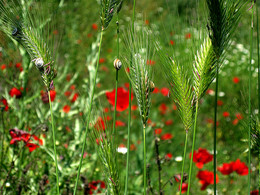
88,116
54,144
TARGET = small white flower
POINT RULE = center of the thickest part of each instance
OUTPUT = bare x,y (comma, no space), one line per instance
122,150
178,159
7,184
221,94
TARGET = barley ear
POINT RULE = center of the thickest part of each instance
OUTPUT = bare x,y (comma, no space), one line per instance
140,52
102,137
180,86
108,9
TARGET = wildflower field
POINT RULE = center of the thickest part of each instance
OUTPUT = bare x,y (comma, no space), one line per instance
129,97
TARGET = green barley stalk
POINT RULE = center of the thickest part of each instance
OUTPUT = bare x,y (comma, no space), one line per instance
258,67
104,140
129,117
249,99
32,32
108,8
181,92
117,64
223,19
139,47
54,144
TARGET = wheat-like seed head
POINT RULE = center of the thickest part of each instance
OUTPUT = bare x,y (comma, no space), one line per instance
21,21
102,138
108,9
139,52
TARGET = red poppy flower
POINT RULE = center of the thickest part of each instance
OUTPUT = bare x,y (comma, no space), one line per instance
210,92
68,77
102,60
100,124
239,116
67,93
15,92
75,97
122,98
206,178
172,42
4,104
158,131
134,107
73,87
235,121
226,168
146,22
168,156
19,135
94,26
106,110
45,96
150,62
168,122
165,91
132,147
163,108
32,146
120,123
166,136
220,103
156,90
254,192
66,108
201,157
226,114
236,80
184,187
3,67
188,36
240,167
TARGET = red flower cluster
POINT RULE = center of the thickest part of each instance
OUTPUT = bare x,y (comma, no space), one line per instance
19,135
15,92
237,166
201,157
66,108
165,91
122,98
254,192
45,96
206,178
96,185
184,186
100,124
166,136
4,104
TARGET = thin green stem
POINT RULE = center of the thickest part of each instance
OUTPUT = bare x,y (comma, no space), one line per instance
89,114
128,140
184,157
114,120
129,118
258,65
193,145
144,132
215,132
54,145
249,100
